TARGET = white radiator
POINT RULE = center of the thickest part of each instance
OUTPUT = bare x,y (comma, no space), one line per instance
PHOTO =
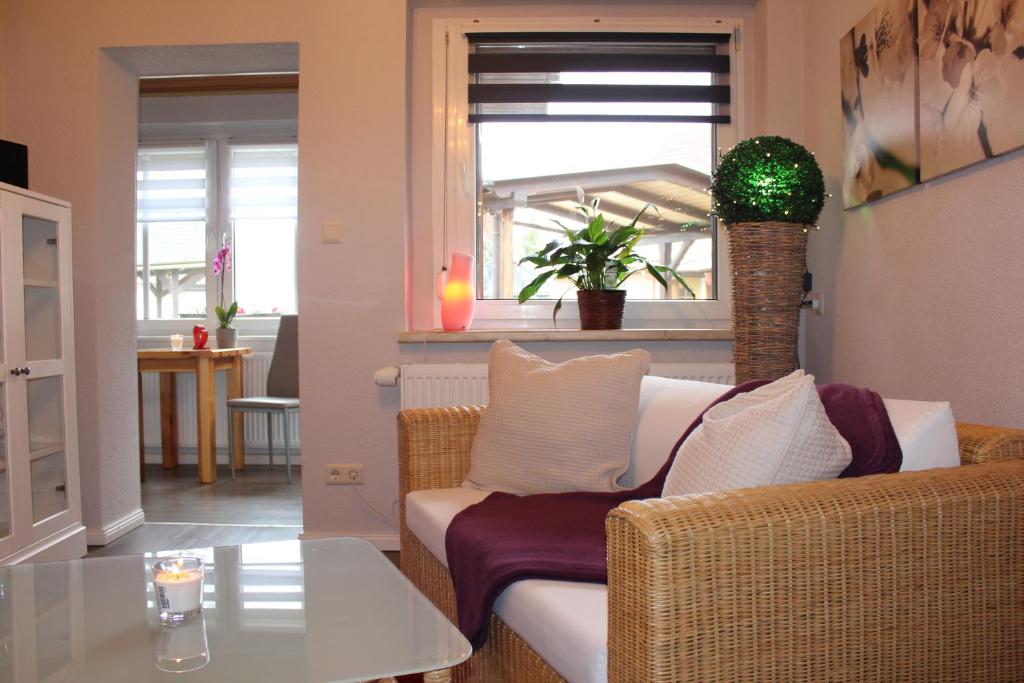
436,385
254,377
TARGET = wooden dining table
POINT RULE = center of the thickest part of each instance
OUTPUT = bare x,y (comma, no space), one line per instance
204,363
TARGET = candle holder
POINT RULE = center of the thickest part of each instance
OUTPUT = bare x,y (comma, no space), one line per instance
179,588
183,647
177,342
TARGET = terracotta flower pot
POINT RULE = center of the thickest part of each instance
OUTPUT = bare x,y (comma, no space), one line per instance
601,309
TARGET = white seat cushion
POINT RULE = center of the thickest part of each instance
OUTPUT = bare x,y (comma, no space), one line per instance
926,431
565,622
428,514
667,407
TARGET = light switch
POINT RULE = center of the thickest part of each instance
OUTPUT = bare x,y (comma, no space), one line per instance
330,233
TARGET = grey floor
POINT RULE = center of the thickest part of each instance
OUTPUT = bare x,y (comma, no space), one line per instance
180,513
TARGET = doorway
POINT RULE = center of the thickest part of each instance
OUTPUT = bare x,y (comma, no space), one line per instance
217,186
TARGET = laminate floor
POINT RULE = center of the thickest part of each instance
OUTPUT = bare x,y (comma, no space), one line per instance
258,496
180,513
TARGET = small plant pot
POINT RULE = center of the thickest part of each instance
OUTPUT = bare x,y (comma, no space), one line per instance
226,337
602,309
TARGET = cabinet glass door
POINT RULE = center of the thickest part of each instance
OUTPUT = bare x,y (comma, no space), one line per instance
5,476
40,276
47,464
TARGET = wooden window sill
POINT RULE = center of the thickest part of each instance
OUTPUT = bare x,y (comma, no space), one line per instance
552,335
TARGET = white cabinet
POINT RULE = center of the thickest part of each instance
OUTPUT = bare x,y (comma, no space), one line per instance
40,510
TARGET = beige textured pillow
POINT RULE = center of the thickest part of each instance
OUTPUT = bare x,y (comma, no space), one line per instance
553,427
776,434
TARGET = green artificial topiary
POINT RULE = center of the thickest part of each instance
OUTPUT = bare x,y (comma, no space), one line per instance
768,178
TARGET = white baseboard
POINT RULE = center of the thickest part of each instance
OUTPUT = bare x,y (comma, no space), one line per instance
380,541
68,544
109,532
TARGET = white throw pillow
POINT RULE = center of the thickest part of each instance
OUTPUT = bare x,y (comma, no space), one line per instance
553,427
775,434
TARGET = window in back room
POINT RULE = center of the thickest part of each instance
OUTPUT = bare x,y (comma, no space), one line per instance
229,173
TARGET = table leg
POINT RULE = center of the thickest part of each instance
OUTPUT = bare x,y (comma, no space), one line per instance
169,419
237,425
142,434
441,676
206,416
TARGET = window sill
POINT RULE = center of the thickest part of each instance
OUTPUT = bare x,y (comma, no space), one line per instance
550,335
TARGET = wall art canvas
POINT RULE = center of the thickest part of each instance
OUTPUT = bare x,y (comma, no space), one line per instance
878,63
971,81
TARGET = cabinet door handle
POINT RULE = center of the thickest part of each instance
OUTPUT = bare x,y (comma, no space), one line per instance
15,371
26,370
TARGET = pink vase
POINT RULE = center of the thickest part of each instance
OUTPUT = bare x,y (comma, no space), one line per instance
458,298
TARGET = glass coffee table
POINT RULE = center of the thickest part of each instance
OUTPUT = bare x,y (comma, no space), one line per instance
292,611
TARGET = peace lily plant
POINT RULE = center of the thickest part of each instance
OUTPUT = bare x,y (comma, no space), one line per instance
599,257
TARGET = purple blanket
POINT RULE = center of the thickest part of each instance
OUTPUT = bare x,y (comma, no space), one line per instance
506,538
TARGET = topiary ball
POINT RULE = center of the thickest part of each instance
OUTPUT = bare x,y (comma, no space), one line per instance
768,178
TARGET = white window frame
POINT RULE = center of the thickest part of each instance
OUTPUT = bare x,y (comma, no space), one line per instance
218,223
448,46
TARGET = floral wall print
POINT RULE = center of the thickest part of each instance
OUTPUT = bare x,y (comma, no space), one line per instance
878,62
971,80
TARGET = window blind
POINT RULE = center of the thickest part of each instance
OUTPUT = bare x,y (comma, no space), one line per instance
580,77
264,181
171,184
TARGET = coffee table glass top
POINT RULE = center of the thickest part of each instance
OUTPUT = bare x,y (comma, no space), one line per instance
315,611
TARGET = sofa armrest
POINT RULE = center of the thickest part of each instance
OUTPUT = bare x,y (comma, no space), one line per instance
910,576
983,443
433,447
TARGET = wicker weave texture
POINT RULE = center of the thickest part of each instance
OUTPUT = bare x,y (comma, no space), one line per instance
768,262
982,443
916,576
910,577
505,658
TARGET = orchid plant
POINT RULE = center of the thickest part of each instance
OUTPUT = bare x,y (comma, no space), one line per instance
221,266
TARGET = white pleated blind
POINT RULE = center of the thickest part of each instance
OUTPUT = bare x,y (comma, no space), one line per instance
264,181
171,184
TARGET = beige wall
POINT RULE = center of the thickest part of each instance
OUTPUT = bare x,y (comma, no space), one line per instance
60,95
923,289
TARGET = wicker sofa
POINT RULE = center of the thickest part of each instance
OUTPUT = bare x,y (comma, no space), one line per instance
911,576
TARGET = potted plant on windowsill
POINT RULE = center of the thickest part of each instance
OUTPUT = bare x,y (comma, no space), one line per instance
227,336
768,191
598,259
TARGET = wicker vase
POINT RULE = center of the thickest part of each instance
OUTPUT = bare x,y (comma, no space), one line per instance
601,310
768,262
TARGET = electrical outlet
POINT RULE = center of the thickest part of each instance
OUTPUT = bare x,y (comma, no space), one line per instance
344,474
817,300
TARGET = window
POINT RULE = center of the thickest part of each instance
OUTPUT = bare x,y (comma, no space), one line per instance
190,198
171,233
634,119
263,213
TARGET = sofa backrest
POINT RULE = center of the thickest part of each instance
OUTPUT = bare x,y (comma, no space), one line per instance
925,429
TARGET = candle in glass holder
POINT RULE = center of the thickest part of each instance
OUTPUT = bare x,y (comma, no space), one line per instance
179,588
177,341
